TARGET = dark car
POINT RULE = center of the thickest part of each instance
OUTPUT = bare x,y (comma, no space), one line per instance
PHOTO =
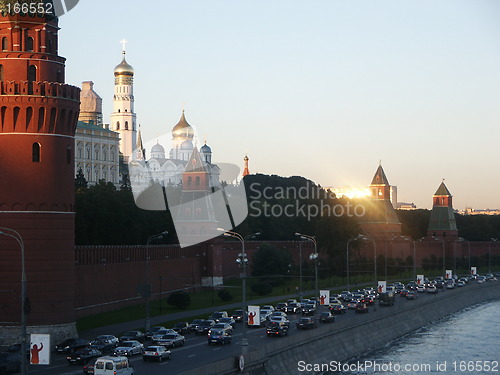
219,336
369,300
326,317
204,327
309,309
411,295
82,356
72,345
338,309
153,331
281,306
10,362
361,308
88,369
306,323
237,315
194,324
133,335
216,316
277,329
181,327
104,346
293,308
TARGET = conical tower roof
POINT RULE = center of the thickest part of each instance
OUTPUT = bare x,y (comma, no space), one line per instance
380,178
442,190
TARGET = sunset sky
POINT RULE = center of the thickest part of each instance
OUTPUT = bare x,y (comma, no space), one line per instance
324,89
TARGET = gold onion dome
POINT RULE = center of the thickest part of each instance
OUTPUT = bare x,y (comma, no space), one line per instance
124,69
183,130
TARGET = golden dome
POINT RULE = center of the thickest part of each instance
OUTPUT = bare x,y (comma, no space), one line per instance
183,130
124,69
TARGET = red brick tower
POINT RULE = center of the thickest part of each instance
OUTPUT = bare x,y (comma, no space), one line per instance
38,117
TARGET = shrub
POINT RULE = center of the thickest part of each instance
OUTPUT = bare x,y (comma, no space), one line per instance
179,299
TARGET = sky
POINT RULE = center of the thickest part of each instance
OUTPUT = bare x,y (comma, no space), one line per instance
324,89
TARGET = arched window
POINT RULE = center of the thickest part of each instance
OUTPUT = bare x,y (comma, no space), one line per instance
31,73
118,125
5,43
36,152
126,125
198,181
96,152
190,181
29,44
1,73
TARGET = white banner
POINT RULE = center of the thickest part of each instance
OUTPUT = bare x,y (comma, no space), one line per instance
324,297
473,271
449,274
382,287
40,349
253,315
420,279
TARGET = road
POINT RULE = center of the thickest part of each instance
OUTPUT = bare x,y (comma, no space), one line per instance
197,352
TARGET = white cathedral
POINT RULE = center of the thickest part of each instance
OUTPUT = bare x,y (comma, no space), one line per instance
102,151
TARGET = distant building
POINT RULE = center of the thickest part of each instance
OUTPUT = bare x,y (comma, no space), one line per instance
406,206
472,211
96,147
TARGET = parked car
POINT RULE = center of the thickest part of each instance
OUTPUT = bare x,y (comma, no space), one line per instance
326,317
155,353
181,328
361,308
219,336
194,324
172,340
204,327
72,345
277,329
10,362
113,365
82,356
152,331
338,309
132,335
306,323
129,348
104,346
237,315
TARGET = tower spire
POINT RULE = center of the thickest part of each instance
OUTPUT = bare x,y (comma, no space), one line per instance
246,170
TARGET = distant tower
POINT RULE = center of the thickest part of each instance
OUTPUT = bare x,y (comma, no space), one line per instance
182,140
246,171
38,118
91,105
442,221
123,118
206,153
140,151
380,218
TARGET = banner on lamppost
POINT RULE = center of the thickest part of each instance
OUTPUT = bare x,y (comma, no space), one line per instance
40,349
382,287
324,297
253,315
473,270
449,274
420,279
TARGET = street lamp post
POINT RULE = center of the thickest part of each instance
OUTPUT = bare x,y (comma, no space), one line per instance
314,256
489,253
242,261
16,236
148,289
301,295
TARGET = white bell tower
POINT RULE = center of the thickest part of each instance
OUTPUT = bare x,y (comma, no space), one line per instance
123,118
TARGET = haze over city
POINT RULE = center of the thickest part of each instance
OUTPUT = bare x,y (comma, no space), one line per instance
321,89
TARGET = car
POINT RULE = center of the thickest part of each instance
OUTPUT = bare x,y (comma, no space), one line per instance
431,289
268,307
481,279
219,336
352,304
411,295
309,309
132,335
460,284
88,369
229,321
293,308
152,331
281,306
204,327
113,365
129,348
237,315
420,289
160,333
181,328
220,325
104,346
194,324
265,313
369,300
326,317
10,362
172,340
155,353
216,316
72,345
82,356
306,323
276,329
281,320
450,285
387,299
111,338
338,309
291,300
361,308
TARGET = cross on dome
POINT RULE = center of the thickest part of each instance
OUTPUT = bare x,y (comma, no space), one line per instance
124,43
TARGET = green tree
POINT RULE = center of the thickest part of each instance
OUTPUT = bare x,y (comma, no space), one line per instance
268,260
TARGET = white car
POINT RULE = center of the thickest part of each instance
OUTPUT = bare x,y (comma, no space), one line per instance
420,289
129,348
281,320
109,338
160,333
264,314
268,307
